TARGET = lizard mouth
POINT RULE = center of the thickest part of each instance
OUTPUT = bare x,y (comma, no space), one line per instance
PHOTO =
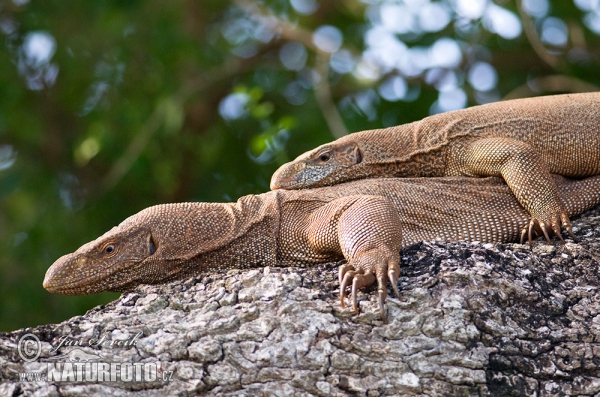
78,275
65,276
303,176
283,178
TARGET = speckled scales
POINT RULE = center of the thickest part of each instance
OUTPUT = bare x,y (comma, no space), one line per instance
521,140
366,222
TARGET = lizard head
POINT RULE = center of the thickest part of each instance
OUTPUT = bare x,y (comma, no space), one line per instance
105,264
163,243
319,167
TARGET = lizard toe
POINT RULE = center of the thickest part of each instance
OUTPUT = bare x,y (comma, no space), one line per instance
343,270
361,275
532,224
382,279
555,225
534,229
566,224
346,281
545,231
382,295
393,275
360,281
556,230
523,234
531,231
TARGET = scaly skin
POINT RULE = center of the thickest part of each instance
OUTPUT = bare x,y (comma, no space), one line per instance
366,222
522,140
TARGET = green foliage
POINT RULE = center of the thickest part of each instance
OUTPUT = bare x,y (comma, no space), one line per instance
112,106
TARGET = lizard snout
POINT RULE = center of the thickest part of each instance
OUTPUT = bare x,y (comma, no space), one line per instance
66,273
286,176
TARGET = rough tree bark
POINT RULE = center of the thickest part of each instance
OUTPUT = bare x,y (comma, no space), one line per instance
473,320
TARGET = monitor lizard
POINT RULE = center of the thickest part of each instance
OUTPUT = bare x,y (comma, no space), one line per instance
365,222
522,140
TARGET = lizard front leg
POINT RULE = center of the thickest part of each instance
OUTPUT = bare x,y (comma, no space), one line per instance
525,173
367,231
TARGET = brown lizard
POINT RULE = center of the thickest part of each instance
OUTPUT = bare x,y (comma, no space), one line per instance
366,222
521,140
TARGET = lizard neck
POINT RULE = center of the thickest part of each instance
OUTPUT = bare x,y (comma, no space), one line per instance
411,150
425,164
220,236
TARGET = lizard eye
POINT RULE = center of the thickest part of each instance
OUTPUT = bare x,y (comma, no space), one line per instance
109,249
324,157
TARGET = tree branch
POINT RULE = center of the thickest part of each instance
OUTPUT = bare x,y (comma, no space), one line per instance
157,118
291,32
532,36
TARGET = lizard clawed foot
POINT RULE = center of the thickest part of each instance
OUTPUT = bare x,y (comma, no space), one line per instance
357,277
566,224
536,226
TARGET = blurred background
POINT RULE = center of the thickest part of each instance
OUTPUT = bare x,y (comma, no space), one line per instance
107,107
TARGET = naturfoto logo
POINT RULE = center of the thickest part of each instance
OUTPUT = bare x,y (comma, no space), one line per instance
79,365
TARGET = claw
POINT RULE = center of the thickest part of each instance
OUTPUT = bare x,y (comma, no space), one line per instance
530,232
343,270
557,230
348,276
566,224
382,281
543,227
523,234
360,281
354,293
393,276
355,275
382,296
570,231
394,281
